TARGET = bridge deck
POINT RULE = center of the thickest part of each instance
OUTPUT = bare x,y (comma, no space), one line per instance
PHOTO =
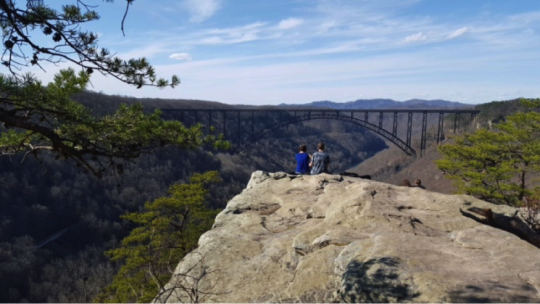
248,124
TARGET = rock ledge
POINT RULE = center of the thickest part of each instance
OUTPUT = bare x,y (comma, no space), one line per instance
328,238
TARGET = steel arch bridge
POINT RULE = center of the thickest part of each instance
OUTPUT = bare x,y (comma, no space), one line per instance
244,126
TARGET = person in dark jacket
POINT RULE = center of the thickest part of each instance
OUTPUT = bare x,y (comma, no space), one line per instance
418,183
319,161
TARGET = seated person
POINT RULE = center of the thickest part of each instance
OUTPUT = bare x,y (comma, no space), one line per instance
320,161
418,183
302,161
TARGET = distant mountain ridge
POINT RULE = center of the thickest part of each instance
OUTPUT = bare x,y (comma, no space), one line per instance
89,98
366,104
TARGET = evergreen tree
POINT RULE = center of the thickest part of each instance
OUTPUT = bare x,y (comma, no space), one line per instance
44,118
23,22
168,229
496,165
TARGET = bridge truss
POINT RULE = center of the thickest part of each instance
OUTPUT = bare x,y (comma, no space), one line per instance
244,126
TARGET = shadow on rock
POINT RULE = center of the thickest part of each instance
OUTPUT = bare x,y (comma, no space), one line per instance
493,292
375,280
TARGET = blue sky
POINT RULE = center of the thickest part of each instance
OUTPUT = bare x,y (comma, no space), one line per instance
298,51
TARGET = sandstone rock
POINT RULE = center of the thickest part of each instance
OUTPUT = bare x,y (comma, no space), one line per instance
328,238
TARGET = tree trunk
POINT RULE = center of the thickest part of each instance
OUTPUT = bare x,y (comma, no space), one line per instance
512,224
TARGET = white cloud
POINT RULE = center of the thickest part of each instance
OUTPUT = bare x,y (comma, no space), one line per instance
327,25
398,76
181,56
234,30
224,36
229,40
458,33
526,18
149,51
300,81
201,10
274,61
415,37
289,23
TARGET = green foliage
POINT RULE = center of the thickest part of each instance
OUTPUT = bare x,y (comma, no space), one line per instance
168,229
45,118
496,111
68,42
496,164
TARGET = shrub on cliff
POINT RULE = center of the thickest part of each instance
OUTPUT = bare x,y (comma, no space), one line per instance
168,229
497,165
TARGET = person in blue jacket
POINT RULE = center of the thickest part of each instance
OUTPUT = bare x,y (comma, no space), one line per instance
302,160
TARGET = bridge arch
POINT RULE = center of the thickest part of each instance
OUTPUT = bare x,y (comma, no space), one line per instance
243,126
317,116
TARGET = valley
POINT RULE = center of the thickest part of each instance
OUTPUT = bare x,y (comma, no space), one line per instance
55,216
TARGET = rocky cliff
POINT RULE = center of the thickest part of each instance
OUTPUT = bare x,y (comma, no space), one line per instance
329,238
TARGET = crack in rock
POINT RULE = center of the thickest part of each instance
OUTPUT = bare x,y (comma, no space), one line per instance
262,210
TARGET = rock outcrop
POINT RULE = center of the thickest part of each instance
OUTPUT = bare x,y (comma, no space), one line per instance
328,238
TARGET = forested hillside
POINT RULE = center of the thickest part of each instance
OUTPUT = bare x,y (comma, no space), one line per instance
56,221
393,166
